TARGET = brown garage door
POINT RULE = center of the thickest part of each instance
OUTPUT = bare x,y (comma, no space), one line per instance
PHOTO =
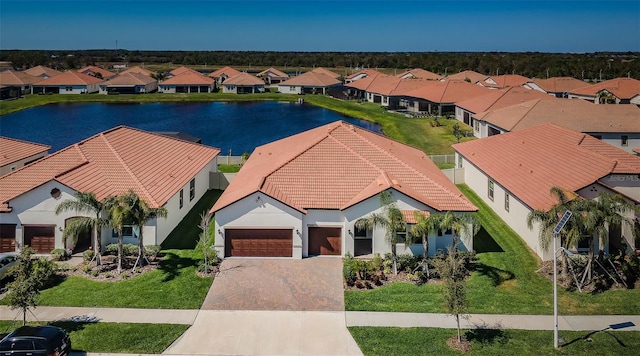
258,242
40,237
325,240
7,237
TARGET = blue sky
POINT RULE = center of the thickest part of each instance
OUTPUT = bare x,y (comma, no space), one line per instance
347,25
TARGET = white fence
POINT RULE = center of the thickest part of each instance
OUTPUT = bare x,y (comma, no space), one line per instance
443,159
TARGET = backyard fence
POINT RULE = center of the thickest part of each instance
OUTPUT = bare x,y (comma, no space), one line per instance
443,159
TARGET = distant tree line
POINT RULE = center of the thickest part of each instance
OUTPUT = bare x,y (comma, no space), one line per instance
598,65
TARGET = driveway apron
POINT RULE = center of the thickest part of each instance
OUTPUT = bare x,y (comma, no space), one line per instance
278,284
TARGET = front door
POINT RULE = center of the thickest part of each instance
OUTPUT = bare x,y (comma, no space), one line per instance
325,241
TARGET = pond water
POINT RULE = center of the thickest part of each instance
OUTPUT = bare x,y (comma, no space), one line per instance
239,127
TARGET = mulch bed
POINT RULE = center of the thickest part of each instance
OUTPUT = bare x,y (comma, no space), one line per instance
463,345
385,279
107,271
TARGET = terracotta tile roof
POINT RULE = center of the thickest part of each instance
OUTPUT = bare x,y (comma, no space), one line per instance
130,79
505,81
12,77
244,79
339,165
272,72
311,79
324,71
497,99
637,150
578,115
183,69
90,70
409,215
622,88
473,77
13,150
139,70
42,71
365,72
188,78
388,85
365,83
448,91
70,78
559,84
228,71
112,162
529,162
419,73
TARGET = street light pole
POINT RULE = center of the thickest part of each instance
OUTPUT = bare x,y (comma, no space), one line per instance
556,231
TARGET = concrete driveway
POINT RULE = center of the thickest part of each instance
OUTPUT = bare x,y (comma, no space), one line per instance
277,284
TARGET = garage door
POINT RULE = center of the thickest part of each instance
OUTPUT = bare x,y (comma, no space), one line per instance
7,237
258,242
41,238
325,240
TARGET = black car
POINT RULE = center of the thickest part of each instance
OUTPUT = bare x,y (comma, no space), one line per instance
36,341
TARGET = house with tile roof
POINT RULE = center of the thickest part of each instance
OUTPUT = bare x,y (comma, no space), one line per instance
97,72
272,76
18,79
493,100
468,76
139,70
188,81
69,82
18,153
129,83
504,81
181,70
243,83
164,171
514,173
361,75
556,86
438,98
42,71
308,83
301,195
325,71
621,90
223,74
419,73
617,125
386,90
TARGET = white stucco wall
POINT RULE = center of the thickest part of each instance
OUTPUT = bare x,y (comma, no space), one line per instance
166,88
287,89
615,139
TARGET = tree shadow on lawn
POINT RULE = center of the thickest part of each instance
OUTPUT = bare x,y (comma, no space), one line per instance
487,336
497,275
172,265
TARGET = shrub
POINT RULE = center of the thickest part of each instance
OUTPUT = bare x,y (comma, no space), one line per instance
44,270
86,269
152,251
88,255
95,273
377,262
125,275
127,249
107,275
111,249
60,254
408,262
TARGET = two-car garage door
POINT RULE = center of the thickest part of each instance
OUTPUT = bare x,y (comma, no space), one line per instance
258,242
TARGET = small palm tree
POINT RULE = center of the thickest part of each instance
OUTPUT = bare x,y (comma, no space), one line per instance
119,216
425,225
86,203
391,219
459,224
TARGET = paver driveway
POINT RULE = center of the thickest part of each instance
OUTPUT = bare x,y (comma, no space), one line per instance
278,284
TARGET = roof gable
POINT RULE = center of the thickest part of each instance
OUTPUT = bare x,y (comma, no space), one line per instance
139,70
12,77
272,72
93,70
419,73
42,71
243,78
14,150
622,88
70,78
311,79
226,71
326,72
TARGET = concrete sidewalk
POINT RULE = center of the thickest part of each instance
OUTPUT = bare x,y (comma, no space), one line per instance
109,315
491,321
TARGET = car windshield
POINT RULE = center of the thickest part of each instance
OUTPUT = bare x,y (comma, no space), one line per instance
17,345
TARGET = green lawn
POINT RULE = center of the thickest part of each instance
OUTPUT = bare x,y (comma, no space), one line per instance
174,285
185,235
228,168
504,282
431,341
115,337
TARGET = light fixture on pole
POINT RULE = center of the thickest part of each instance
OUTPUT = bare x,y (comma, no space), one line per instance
556,231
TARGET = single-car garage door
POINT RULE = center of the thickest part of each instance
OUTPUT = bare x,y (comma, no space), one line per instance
258,242
40,237
7,237
325,240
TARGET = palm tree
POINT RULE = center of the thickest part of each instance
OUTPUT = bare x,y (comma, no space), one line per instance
391,219
86,203
425,225
139,213
119,216
459,224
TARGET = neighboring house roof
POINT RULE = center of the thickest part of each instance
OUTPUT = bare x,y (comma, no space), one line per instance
559,84
139,70
497,99
13,150
181,70
365,83
42,71
311,79
364,73
637,150
70,78
449,91
419,73
112,162
130,79
472,76
388,85
529,162
228,71
188,78
91,70
243,79
504,81
578,115
324,71
13,77
622,88
272,72
338,165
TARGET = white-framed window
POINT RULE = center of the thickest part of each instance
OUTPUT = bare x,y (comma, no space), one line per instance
192,189
68,88
181,198
128,231
506,202
476,125
624,140
490,189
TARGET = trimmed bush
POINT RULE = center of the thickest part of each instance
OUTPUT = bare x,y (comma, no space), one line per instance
88,255
152,251
60,254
